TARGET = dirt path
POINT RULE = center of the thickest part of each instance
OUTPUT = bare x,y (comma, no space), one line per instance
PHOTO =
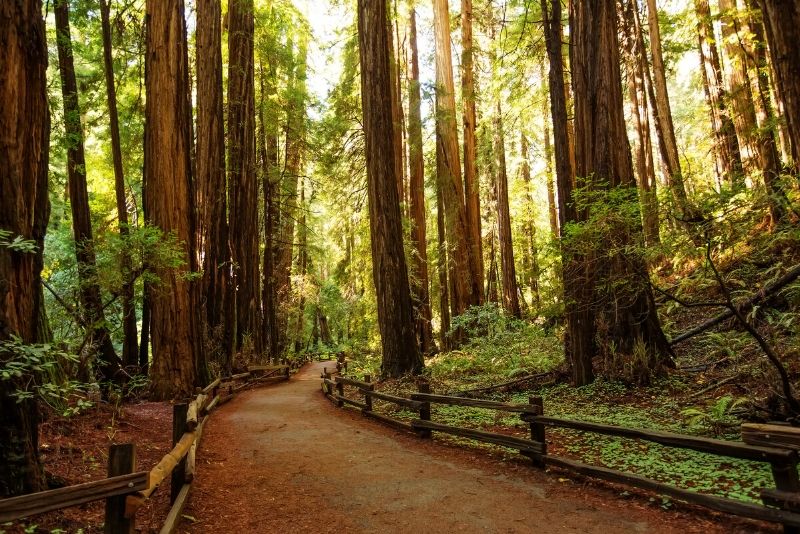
283,459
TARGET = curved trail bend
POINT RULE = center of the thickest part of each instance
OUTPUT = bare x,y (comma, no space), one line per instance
283,459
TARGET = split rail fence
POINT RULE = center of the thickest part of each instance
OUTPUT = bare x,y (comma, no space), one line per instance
125,490
776,445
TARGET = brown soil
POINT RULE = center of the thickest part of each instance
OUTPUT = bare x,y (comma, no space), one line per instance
283,459
75,450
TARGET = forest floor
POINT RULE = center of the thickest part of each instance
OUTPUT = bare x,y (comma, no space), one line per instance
75,450
283,459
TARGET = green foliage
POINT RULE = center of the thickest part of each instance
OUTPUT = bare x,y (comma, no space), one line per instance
716,417
38,371
498,346
18,243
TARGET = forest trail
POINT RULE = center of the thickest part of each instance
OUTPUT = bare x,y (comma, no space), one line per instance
283,459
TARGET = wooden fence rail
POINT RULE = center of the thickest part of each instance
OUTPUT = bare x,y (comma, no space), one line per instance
125,491
777,445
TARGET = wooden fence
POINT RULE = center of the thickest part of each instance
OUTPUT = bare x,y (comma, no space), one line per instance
125,491
775,445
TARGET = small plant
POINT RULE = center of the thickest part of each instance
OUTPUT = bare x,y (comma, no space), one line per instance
717,417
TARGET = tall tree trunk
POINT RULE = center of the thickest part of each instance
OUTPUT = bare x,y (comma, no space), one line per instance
395,314
419,265
509,274
471,183
302,266
24,211
756,51
441,267
175,314
212,228
465,283
530,221
397,109
738,85
91,301
579,335
662,116
782,24
637,92
552,207
726,145
241,168
295,139
492,293
130,341
270,184
615,290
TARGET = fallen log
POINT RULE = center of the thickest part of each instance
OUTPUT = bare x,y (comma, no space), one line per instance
509,383
766,291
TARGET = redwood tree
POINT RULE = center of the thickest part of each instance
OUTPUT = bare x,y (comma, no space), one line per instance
419,264
471,185
616,311
243,185
726,145
212,223
507,268
91,303
465,282
130,342
782,24
395,316
24,211
168,201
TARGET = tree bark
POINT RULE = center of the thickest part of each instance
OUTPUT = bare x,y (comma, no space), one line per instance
24,211
270,185
738,85
662,115
397,110
579,335
212,204
637,92
756,52
395,314
471,182
509,274
552,207
465,282
441,267
241,168
130,341
419,265
91,301
782,24
614,292
302,267
726,145
168,200
295,139
530,223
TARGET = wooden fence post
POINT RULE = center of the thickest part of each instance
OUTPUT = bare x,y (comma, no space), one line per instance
178,429
786,479
423,386
367,396
121,461
340,391
537,430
